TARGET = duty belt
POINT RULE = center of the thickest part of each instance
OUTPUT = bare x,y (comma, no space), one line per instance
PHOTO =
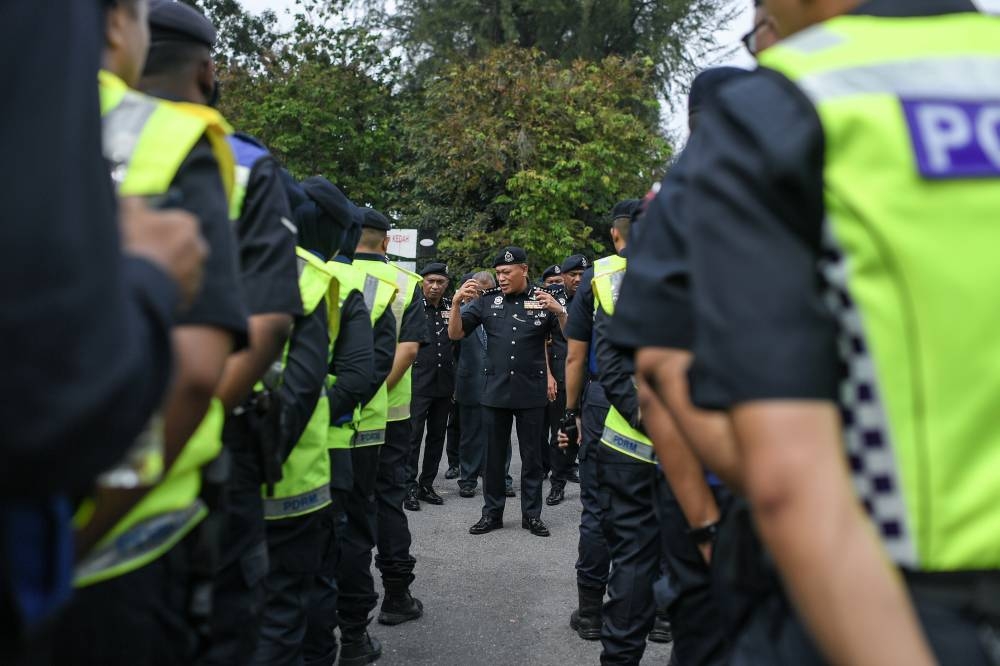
138,546
288,507
364,438
628,445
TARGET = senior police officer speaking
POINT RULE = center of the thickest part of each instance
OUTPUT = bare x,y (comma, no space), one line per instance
517,319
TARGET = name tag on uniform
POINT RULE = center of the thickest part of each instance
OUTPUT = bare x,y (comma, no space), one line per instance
534,305
954,138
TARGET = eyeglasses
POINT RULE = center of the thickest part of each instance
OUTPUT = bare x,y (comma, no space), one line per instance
750,39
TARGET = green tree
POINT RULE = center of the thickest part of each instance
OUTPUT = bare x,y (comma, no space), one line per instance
519,148
674,34
322,100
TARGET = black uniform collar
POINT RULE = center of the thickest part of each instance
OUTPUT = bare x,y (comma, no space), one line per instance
371,256
443,305
898,9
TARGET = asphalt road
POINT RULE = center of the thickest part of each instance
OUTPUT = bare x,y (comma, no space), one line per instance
499,598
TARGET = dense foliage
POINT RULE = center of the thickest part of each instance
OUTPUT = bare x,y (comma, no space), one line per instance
493,123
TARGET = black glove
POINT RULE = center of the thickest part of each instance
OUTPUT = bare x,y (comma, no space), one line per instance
567,425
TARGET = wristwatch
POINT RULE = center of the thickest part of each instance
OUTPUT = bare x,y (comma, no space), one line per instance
704,534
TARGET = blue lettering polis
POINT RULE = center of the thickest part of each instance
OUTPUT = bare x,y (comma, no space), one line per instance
955,138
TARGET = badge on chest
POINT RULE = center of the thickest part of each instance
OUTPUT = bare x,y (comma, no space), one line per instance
534,305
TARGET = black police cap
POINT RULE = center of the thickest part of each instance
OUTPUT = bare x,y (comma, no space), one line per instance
372,219
510,255
575,262
435,268
330,199
625,208
179,22
551,271
706,85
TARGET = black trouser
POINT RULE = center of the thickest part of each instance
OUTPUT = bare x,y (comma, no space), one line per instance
319,644
696,617
238,598
593,560
297,548
356,587
434,413
498,421
561,459
472,450
392,529
472,447
774,635
628,521
138,618
454,436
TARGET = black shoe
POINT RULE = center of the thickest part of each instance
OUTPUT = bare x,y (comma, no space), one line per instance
557,494
588,628
486,524
573,476
536,526
359,650
427,494
661,631
466,491
411,503
452,472
510,492
399,607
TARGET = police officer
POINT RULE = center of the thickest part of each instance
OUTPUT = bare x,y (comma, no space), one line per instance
627,474
827,275
133,604
180,67
658,272
355,585
515,312
299,509
562,460
393,539
433,386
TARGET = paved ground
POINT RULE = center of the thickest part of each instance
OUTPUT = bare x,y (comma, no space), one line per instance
500,598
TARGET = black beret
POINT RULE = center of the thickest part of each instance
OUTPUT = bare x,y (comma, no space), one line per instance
706,85
177,21
510,255
330,200
435,268
625,208
551,271
575,262
372,219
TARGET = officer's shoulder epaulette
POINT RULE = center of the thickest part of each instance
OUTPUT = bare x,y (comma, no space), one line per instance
491,291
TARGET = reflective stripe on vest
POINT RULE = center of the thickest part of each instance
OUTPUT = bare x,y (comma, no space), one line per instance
910,114
618,432
626,442
143,543
246,153
145,140
379,294
277,508
305,474
406,282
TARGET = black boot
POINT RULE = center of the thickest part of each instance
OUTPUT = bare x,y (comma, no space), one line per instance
661,631
586,620
399,606
557,493
411,503
358,648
